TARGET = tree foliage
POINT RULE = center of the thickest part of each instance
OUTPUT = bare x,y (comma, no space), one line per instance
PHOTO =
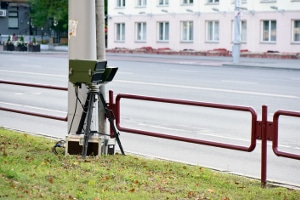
43,11
54,12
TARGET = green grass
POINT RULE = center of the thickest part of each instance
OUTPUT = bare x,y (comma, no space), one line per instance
29,170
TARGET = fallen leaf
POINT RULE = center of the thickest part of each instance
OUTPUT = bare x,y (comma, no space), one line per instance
211,190
50,180
4,153
131,190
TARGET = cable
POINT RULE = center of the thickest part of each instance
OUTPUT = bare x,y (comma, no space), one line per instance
60,144
76,94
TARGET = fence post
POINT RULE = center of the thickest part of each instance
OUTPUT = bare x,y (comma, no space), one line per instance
264,146
112,107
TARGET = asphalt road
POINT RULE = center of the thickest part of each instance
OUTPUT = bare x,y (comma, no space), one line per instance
189,78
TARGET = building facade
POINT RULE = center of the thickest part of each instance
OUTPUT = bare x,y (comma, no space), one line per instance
202,25
15,19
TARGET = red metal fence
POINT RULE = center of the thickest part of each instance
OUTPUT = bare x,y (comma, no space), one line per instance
263,130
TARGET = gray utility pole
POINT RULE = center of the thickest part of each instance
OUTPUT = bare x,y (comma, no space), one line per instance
82,46
101,56
237,32
86,42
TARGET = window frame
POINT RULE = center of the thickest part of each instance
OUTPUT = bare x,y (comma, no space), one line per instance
141,3
120,3
269,31
213,1
13,17
187,2
163,2
215,35
142,30
187,26
242,31
120,32
165,32
293,31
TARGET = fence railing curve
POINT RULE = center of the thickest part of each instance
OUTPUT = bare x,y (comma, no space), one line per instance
250,148
276,116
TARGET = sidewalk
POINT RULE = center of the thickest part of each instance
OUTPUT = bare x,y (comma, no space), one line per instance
291,64
209,60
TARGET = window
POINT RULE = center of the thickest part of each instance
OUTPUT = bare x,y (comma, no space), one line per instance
213,1
163,31
269,31
187,30
13,17
163,2
120,3
296,31
212,31
242,31
141,30
141,3
188,2
120,32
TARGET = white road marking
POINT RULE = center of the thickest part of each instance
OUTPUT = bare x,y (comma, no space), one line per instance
32,107
213,134
210,89
223,137
32,73
125,73
186,63
239,82
162,127
30,65
189,71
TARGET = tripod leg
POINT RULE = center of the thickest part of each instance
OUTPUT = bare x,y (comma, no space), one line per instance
119,143
88,125
83,115
110,116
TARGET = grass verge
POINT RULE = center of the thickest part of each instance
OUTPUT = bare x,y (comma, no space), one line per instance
29,170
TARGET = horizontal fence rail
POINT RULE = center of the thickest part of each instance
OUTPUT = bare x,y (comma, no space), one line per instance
33,113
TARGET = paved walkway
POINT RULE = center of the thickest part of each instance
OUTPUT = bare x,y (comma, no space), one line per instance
292,64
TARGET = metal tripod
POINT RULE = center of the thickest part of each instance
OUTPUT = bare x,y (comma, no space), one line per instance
87,114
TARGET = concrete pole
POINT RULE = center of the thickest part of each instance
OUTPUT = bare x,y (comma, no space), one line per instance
82,45
237,33
101,56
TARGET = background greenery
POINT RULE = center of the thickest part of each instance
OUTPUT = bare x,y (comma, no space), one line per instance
44,10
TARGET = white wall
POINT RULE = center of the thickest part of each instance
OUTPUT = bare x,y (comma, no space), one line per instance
177,13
